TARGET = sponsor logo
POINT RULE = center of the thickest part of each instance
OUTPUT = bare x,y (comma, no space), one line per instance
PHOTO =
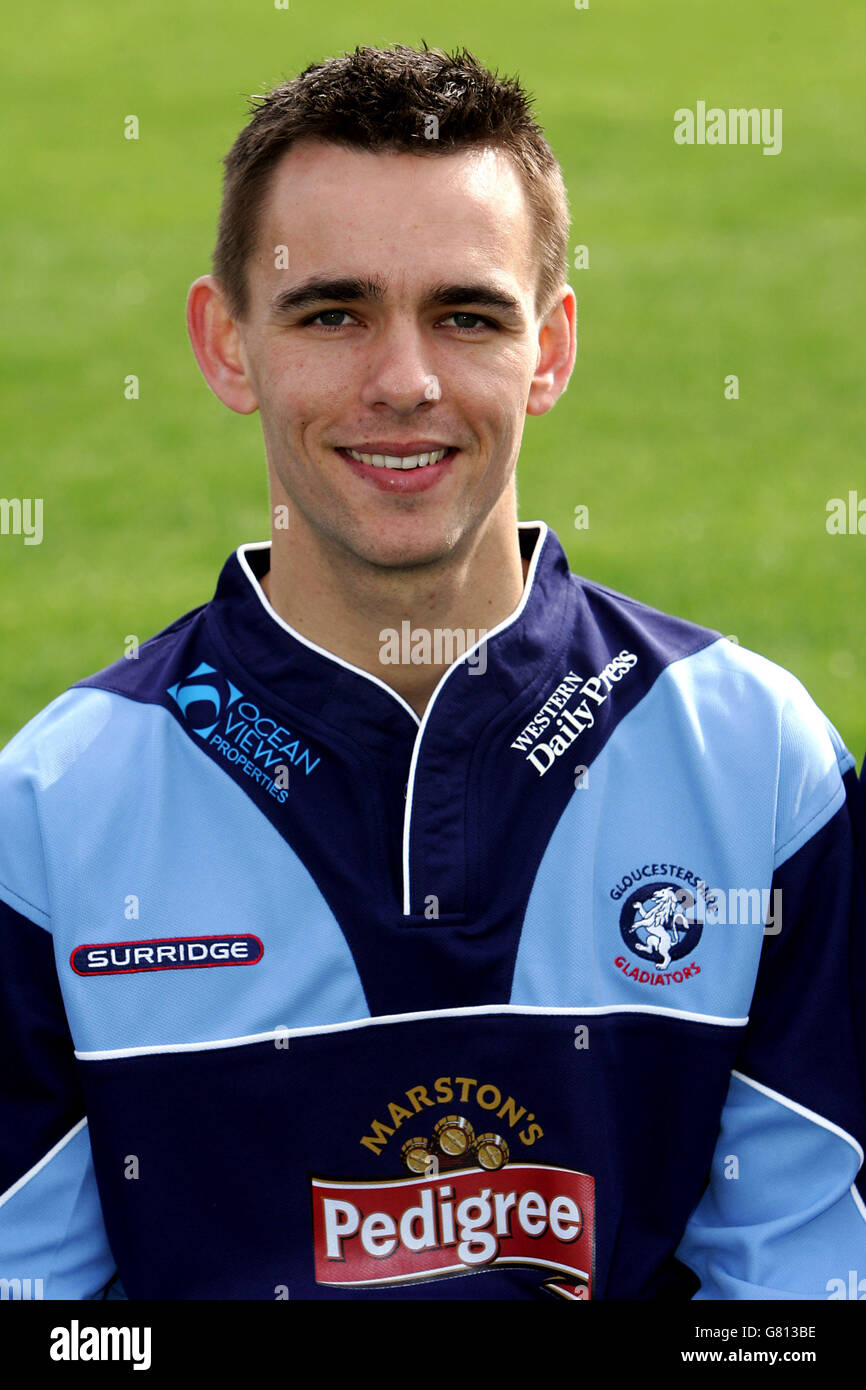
397,1232
219,714
445,1090
461,1204
572,722
660,922
165,953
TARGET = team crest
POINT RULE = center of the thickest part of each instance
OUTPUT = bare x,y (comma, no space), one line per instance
658,923
661,923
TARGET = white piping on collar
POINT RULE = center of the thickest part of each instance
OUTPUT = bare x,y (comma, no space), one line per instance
314,646
500,627
542,528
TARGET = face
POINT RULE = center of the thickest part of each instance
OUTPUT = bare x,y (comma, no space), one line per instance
401,330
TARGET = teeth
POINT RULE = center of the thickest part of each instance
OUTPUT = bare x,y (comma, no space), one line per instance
389,461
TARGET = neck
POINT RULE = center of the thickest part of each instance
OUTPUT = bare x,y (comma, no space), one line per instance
395,623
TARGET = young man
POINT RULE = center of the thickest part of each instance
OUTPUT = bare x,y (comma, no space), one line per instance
425,921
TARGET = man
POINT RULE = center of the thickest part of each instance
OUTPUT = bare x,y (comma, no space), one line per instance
426,921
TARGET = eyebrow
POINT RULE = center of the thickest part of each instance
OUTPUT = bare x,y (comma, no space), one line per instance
351,289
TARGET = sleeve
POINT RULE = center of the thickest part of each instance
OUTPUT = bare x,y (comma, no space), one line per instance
783,1215
52,1238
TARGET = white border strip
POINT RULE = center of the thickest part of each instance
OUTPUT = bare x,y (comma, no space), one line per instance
802,1110
467,1011
543,529
46,1158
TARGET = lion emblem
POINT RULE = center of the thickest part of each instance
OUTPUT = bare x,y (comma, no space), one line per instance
659,923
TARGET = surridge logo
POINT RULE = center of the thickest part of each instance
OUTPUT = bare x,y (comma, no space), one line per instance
218,713
465,1207
165,953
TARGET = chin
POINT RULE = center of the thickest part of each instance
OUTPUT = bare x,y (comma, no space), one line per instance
409,555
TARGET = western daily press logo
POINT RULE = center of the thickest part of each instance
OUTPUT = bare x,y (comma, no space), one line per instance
219,714
542,753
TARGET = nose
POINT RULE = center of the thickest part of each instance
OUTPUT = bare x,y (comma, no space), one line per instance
399,370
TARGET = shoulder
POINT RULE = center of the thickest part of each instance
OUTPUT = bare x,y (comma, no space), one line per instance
749,717
714,670
60,733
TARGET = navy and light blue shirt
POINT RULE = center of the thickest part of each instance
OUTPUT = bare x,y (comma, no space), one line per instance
557,990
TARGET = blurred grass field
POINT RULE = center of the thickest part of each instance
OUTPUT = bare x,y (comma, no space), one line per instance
703,262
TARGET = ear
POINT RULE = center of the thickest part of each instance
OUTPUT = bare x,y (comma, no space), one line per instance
218,347
557,349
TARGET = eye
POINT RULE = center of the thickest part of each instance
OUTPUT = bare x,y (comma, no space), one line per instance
479,320
323,313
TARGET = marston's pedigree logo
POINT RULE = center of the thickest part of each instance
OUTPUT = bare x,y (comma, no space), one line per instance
218,713
165,953
465,1207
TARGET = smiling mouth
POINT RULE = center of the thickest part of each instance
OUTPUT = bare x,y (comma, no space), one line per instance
408,462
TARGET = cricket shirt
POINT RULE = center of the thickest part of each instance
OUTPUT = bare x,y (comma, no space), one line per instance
556,991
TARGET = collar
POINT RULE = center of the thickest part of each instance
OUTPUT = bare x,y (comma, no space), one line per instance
303,674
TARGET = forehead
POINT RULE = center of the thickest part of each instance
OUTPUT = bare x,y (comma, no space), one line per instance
401,216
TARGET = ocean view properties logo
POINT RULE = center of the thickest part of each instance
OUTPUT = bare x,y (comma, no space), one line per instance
218,713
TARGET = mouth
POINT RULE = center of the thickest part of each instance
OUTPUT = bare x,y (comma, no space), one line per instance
401,462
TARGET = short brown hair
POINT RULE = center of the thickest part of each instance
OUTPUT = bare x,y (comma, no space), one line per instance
383,100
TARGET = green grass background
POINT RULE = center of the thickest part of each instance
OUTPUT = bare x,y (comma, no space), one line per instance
703,262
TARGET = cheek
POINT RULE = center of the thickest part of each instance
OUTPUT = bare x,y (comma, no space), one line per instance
292,376
505,385
504,407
